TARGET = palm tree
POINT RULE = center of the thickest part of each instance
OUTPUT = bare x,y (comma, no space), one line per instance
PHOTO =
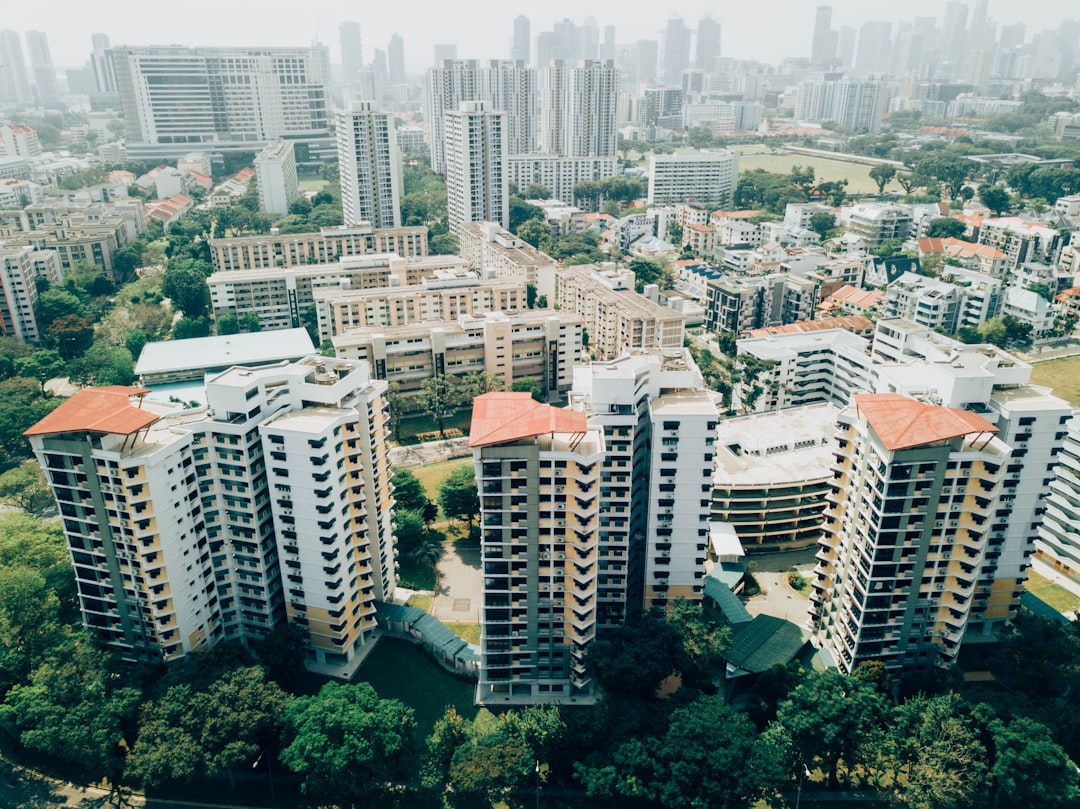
428,552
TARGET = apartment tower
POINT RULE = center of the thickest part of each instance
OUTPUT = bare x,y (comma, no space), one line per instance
369,165
477,187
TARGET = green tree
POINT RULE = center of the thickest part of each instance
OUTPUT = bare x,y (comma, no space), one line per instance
76,707
995,198
409,493
72,335
188,327
945,228
1030,768
632,660
477,383
29,623
345,741
439,397
647,272
881,175
449,733
536,232
537,191
409,531
443,244
458,496
951,171
823,223
249,322
829,717
41,365
104,365
228,324
933,747
395,407
702,642
22,404
134,341
24,487
528,385
521,212
187,289
57,302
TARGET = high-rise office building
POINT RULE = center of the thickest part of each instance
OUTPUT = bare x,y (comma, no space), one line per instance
352,52
913,497
823,46
707,47
229,99
608,47
369,165
101,62
396,57
477,187
14,84
676,51
37,47
538,475
273,506
580,109
275,175
875,46
520,47
444,51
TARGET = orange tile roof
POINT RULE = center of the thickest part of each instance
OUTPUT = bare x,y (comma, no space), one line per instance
505,416
735,214
902,422
854,323
97,410
853,296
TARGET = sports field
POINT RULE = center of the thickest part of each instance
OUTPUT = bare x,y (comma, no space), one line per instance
1062,375
858,177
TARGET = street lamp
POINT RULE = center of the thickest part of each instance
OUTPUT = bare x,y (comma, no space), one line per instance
269,772
805,773
537,783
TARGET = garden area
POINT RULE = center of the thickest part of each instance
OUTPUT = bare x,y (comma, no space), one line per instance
1061,375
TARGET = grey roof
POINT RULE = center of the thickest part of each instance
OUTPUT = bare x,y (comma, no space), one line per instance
224,351
434,631
727,601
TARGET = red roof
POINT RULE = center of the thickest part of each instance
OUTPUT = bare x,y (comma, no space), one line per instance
97,410
502,417
902,423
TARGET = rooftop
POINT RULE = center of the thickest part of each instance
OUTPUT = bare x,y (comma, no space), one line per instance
506,416
902,423
97,410
222,351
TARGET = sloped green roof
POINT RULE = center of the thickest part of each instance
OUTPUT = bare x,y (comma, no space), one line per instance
727,601
763,643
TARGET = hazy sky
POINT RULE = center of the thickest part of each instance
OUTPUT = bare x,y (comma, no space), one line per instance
766,29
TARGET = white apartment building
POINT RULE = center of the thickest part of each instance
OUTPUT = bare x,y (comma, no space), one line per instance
539,344
558,173
190,527
538,474
275,175
1058,544
1020,240
476,181
20,269
19,141
580,104
874,222
617,319
489,248
369,165
176,99
969,301
707,176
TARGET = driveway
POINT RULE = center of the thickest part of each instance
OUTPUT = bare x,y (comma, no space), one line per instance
776,597
461,585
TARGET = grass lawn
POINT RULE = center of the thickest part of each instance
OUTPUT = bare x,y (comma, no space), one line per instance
312,184
432,476
1055,595
465,631
1062,375
398,670
858,176
422,601
411,425
414,576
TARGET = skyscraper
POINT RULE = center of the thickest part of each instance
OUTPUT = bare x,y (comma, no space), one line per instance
875,45
477,187
14,84
580,108
676,51
707,49
275,174
101,61
823,46
396,57
352,52
510,87
368,163
915,487
37,46
448,84
520,49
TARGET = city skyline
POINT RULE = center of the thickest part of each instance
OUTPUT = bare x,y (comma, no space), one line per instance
745,35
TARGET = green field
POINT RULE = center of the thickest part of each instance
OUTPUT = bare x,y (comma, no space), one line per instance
1055,595
431,476
1063,376
858,176
312,184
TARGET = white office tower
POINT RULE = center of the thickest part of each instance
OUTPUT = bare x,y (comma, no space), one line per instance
707,176
187,528
520,49
101,62
230,99
369,165
510,87
476,181
580,109
352,52
913,500
14,84
538,475
624,399
37,47
707,44
275,176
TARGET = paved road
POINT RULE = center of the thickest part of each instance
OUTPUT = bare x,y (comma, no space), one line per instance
776,597
461,584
